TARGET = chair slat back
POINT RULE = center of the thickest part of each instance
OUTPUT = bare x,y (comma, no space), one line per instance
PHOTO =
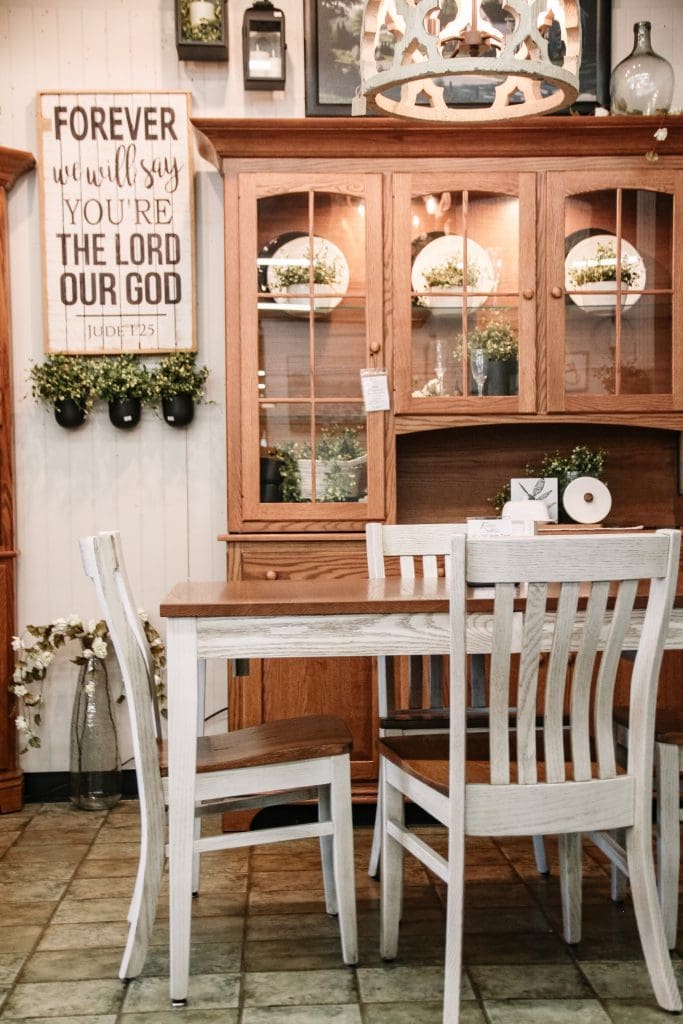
421,550
102,561
588,586
133,617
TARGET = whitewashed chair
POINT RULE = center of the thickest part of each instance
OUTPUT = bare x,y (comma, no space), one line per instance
422,549
534,782
668,765
260,757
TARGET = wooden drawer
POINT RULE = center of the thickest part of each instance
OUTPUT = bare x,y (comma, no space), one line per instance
286,558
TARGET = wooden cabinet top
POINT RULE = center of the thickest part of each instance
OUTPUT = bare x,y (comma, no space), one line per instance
382,138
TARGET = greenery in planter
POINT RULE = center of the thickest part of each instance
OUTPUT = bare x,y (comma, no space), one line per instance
336,448
325,269
581,461
208,30
61,377
451,274
124,376
497,337
604,268
178,374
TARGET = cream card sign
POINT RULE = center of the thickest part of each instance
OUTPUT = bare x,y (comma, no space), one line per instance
118,221
536,488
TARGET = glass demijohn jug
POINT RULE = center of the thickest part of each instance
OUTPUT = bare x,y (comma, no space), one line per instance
642,83
95,762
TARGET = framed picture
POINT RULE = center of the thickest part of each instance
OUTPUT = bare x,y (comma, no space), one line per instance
576,372
332,44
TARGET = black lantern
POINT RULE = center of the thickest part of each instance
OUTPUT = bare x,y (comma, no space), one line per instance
201,31
264,47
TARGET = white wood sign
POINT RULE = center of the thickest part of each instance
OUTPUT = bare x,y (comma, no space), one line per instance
118,221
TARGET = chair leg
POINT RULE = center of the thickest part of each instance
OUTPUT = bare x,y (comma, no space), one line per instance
618,880
327,852
373,866
454,922
196,858
668,835
569,846
344,867
143,906
641,871
391,874
539,854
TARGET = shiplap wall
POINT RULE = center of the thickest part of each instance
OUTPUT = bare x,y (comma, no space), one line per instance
163,489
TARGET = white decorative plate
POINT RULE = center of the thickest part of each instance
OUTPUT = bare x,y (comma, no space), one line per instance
583,254
296,252
448,247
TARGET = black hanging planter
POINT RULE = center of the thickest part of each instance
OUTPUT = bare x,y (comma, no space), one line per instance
124,413
69,413
178,410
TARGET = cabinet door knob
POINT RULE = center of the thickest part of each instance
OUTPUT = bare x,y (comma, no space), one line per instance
271,574
556,292
528,293
375,347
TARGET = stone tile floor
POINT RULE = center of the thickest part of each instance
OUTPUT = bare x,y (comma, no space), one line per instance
265,952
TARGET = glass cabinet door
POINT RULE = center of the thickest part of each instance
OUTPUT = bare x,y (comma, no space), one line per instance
464,292
311,300
611,326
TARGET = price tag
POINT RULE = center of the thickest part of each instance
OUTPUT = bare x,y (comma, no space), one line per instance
375,388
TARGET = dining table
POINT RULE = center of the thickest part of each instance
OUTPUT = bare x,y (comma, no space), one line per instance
293,618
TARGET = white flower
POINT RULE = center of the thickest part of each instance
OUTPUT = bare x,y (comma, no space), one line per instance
20,690
43,658
74,620
88,653
661,134
90,687
92,625
19,674
144,616
21,723
17,643
60,626
99,647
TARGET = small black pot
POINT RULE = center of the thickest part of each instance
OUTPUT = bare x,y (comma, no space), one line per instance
124,413
270,478
178,410
69,413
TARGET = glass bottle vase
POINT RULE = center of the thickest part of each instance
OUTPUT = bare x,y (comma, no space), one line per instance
643,82
95,761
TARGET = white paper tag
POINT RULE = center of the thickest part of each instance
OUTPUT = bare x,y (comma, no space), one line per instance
375,388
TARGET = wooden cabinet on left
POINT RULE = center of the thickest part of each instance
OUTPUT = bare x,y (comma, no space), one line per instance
13,163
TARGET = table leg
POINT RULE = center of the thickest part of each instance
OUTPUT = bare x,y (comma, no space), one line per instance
182,682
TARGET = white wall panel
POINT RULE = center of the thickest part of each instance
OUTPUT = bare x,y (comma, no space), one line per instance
164,489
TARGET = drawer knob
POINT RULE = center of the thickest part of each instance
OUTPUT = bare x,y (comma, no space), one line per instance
528,293
271,574
556,292
374,347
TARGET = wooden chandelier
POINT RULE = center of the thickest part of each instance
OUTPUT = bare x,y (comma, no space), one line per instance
447,60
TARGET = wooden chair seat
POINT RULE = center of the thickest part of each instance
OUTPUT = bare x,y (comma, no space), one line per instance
293,739
425,758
